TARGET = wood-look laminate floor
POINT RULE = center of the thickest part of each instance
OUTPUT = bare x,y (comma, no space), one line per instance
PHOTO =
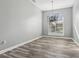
46,47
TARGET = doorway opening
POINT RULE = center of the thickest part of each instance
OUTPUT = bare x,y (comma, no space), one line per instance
56,24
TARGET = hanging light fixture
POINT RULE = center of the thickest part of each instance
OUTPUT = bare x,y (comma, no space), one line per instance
34,1
52,4
51,18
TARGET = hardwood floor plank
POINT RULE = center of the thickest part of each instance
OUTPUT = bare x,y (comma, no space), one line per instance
45,47
3,56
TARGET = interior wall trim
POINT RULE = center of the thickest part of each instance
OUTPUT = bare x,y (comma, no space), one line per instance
76,34
76,31
57,36
34,4
18,45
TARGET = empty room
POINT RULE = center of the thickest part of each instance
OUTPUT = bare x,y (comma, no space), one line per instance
39,29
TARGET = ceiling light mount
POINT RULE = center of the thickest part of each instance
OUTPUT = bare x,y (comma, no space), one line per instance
52,3
34,1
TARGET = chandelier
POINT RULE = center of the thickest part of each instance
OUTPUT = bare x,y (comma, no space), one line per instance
52,3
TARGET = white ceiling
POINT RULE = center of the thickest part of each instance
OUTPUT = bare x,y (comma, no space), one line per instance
57,4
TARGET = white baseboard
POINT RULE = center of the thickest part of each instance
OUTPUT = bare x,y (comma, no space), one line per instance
76,42
18,45
77,36
57,37
76,31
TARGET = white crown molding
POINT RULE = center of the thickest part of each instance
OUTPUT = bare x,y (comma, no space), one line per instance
56,5
35,4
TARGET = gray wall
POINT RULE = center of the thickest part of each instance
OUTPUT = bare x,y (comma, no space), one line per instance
76,21
20,21
67,12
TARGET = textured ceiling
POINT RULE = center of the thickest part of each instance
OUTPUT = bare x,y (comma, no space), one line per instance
57,4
